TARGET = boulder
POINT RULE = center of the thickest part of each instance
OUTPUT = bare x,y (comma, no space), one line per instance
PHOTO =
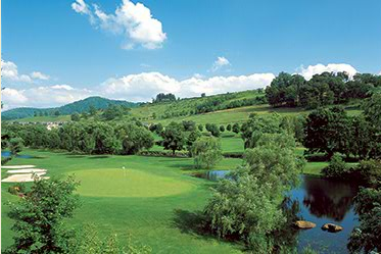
301,224
330,227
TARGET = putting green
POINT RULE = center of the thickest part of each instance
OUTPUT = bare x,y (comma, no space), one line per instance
127,183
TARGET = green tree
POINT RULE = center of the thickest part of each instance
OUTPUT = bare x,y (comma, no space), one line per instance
236,128
39,217
173,137
134,138
248,206
92,110
336,167
192,137
222,128
206,152
328,131
229,127
56,113
75,117
367,238
15,145
201,127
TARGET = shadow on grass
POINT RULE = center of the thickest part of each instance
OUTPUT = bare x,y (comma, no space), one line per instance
196,223
99,157
191,222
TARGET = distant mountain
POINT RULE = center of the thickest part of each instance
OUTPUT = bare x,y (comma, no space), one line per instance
78,106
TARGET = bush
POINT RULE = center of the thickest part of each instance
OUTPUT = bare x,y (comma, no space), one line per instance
370,171
17,189
336,167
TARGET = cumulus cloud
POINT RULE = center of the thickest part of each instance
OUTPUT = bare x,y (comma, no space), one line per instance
43,96
144,86
134,22
312,70
39,75
9,71
220,63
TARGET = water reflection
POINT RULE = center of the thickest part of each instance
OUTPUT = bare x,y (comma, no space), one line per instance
328,198
8,154
317,200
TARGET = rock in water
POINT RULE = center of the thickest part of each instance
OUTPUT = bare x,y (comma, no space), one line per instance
330,227
301,224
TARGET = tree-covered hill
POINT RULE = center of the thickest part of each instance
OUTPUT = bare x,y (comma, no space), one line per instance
78,106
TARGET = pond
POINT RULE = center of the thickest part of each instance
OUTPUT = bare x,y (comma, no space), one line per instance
321,201
22,156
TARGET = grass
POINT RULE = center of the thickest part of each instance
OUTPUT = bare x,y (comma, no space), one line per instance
149,199
148,210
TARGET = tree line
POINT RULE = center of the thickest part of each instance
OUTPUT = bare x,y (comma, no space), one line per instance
324,89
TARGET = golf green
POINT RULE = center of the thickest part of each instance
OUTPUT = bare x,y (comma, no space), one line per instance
111,182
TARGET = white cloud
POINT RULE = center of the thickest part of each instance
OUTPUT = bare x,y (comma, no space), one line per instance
311,70
80,6
63,87
39,75
144,86
9,71
134,22
13,97
220,63
43,96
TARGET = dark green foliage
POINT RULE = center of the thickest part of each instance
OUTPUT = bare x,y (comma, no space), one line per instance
200,127
173,137
56,113
189,125
161,97
39,217
322,90
134,138
222,128
15,146
336,167
328,131
236,128
369,171
367,237
213,129
75,117
229,127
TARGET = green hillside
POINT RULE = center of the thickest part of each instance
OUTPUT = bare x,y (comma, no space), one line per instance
78,106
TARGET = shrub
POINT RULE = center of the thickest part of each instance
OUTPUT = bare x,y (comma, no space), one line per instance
17,189
370,171
336,167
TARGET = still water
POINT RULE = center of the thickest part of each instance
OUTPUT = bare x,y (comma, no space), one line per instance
321,201
22,156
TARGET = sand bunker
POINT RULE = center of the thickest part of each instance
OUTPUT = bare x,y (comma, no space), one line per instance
24,174
19,166
26,171
23,178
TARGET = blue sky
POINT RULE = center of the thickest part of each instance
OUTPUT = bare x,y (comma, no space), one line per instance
115,49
